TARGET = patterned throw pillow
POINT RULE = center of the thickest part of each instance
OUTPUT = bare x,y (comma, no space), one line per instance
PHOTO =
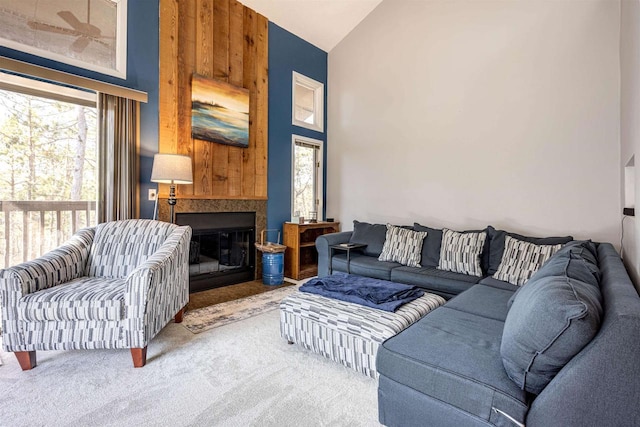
521,260
460,252
402,245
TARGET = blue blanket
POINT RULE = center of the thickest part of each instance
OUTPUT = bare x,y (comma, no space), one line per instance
374,293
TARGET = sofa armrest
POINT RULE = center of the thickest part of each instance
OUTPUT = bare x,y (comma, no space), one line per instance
322,246
157,289
65,263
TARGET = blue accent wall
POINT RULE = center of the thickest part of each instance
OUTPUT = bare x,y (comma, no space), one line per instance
142,74
288,53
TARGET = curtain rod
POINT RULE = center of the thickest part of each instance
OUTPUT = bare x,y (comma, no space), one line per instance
71,79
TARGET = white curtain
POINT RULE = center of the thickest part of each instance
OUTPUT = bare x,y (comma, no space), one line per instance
118,157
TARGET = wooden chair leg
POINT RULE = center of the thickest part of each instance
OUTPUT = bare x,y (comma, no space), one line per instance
179,314
26,359
139,356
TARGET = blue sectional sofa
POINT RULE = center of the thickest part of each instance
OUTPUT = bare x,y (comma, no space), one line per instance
562,350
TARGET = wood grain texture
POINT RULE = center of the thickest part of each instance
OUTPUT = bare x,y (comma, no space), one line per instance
204,40
225,40
202,175
221,41
236,31
168,75
187,12
249,53
262,113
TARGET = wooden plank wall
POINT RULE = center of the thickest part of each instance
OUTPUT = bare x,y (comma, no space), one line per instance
224,40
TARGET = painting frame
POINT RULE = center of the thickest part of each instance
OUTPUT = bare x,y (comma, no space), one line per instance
219,112
118,51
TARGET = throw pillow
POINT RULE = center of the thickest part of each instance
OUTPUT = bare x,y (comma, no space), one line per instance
583,268
402,245
372,235
460,252
520,260
430,245
551,320
586,270
497,238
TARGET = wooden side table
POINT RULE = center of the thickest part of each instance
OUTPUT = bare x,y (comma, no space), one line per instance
348,247
301,256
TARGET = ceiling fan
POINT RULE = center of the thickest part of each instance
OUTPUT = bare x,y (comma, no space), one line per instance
85,31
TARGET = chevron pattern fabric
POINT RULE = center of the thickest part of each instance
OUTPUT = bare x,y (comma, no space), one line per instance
60,301
403,246
344,332
520,260
460,252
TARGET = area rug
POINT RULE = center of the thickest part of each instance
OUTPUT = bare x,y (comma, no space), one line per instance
206,318
243,374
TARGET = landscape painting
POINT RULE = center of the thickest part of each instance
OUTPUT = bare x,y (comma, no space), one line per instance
219,112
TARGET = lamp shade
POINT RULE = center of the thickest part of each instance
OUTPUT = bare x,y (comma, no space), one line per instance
171,169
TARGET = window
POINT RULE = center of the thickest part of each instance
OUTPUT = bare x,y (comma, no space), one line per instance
48,181
308,103
306,194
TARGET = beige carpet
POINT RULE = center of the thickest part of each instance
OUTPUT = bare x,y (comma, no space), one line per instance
213,316
241,374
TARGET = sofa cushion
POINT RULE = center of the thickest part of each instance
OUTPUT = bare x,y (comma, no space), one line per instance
85,298
454,357
497,238
495,283
402,245
372,235
446,283
461,252
584,268
482,300
520,260
121,246
363,265
551,319
430,245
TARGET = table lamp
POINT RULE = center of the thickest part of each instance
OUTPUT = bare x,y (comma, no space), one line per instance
171,169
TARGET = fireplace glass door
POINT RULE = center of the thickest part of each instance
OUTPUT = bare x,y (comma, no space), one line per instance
222,248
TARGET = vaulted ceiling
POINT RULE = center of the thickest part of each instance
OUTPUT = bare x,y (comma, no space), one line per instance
323,23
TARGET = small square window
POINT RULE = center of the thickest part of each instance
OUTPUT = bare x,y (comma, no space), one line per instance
308,103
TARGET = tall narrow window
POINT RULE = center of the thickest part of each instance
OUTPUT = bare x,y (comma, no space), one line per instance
307,178
48,179
308,103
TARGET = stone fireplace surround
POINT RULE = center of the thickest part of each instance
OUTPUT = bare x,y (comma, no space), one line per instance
222,205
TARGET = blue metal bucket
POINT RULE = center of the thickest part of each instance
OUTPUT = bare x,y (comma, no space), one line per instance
272,268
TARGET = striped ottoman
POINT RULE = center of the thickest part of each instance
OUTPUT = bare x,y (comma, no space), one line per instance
345,332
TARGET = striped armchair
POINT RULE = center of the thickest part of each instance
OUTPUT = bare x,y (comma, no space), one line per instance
115,285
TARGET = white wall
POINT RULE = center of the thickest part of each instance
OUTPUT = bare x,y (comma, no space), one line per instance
468,113
630,120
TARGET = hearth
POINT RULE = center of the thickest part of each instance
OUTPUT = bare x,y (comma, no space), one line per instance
222,249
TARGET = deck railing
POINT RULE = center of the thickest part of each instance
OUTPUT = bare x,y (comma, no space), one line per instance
30,229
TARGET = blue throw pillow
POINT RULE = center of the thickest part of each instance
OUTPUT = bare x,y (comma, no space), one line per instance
430,245
551,320
372,235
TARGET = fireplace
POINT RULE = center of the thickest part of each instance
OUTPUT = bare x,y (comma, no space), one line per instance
222,248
